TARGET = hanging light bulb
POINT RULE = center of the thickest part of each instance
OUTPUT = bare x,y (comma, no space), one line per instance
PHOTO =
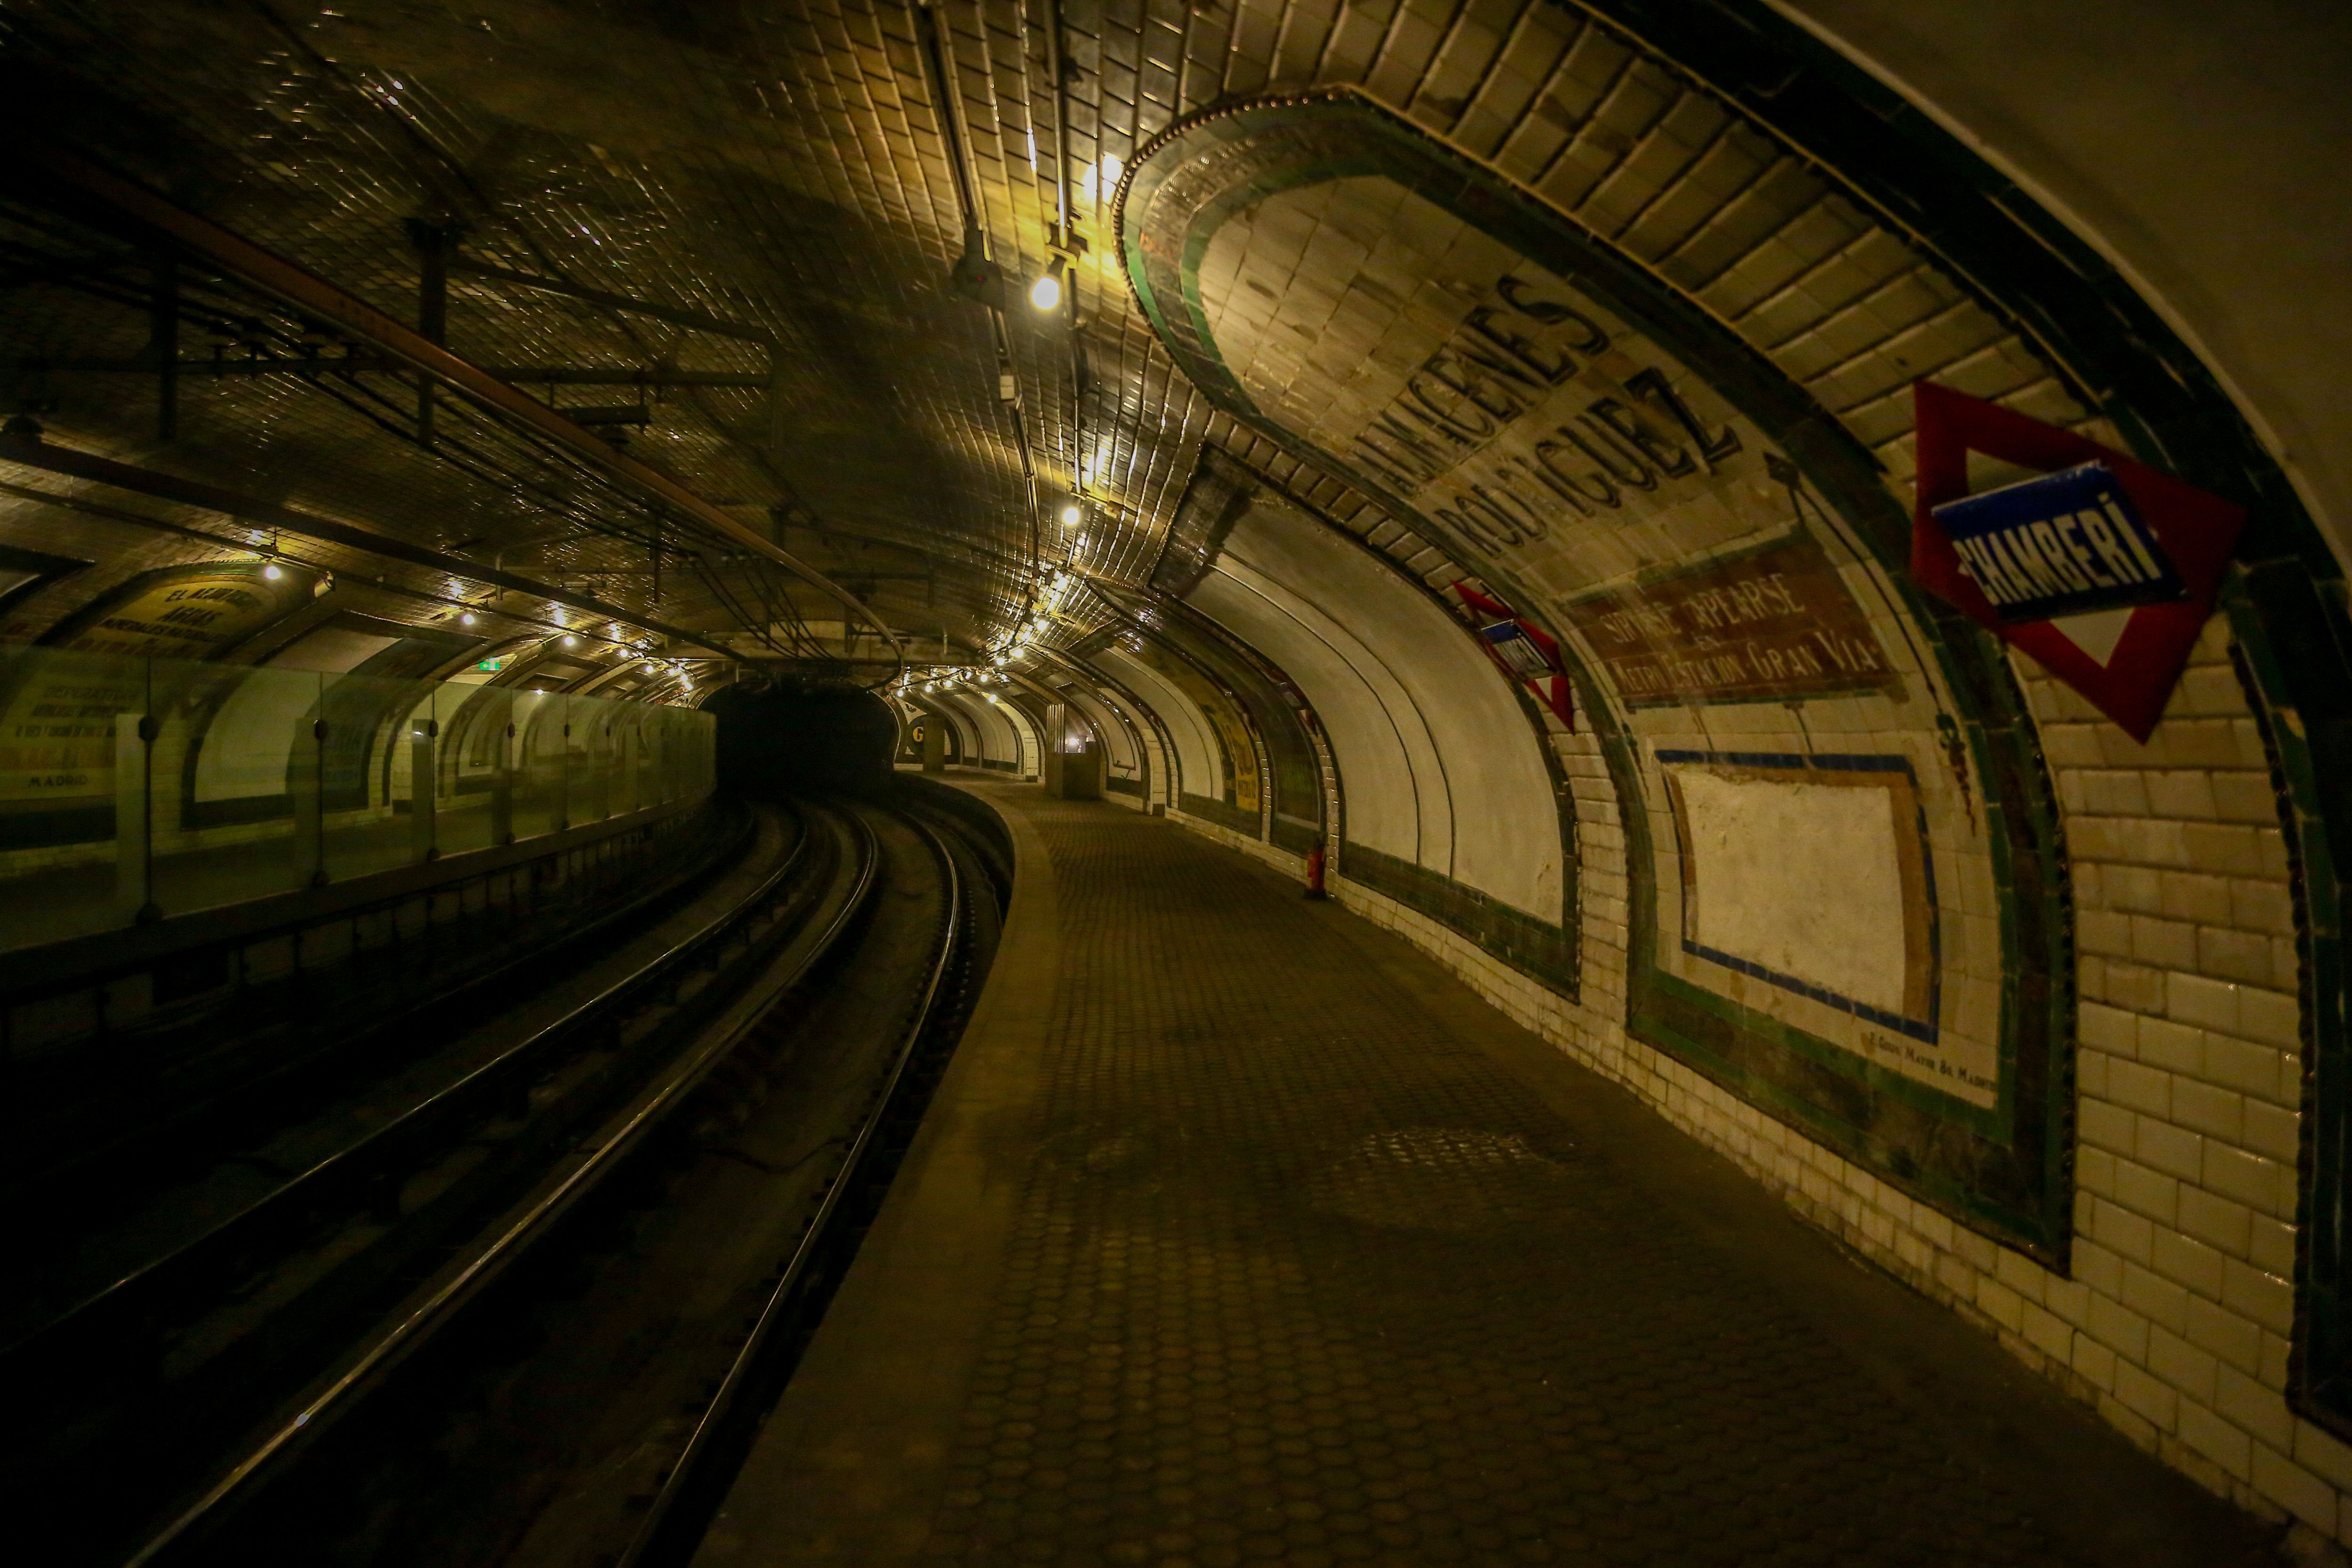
466,619
272,571
570,641
1047,292
1071,516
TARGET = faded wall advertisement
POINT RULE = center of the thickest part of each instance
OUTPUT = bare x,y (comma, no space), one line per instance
1769,624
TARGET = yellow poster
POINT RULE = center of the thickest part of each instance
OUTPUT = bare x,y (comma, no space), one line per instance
59,703
1225,718
185,613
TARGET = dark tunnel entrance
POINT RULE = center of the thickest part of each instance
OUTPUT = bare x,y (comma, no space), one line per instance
802,738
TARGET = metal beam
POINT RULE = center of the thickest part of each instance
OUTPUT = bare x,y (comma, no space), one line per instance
432,308
773,424
316,297
363,364
369,585
34,451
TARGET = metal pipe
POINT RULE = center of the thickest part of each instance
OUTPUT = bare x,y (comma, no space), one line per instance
319,298
432,310
1058,65
34,451
1057,70
164,345
934,48
718,327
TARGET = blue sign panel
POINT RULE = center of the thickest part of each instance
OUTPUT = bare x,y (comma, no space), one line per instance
1516,648
2059,545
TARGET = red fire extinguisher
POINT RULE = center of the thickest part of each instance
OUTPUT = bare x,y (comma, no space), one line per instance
1315,872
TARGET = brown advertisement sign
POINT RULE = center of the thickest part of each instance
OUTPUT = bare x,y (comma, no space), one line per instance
1768,624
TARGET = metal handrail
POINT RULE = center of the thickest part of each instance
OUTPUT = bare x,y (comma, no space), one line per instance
658,818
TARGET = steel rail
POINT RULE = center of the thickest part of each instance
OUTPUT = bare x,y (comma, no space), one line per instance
38,451
315,296
418,1321
225,1231
651,1544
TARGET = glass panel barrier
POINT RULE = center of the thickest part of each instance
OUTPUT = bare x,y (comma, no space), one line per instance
132,789
373,723
472,724
537,784
232,780
72,758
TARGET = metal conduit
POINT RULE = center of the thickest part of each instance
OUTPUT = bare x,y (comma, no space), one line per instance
143,210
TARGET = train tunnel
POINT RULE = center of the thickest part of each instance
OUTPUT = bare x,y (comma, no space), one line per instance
1094,782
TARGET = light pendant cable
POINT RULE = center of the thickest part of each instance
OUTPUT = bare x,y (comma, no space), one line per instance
967,189
1057,65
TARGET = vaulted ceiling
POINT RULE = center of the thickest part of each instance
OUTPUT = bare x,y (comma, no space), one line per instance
728,238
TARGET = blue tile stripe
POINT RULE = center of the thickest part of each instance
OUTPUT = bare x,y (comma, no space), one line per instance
1835,762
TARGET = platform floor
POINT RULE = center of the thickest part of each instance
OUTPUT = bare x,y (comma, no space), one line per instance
1241,1231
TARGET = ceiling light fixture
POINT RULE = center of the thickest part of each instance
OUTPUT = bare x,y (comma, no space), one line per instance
273,571
1046,294
1071,516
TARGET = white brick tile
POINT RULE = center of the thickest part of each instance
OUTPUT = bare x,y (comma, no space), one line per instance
2267,1299
2181,1365
2305,1495
2217,1440
2162,1301
2175,1151
2246,1402
2095,1361
2189,1263
2227,1335
2323,1456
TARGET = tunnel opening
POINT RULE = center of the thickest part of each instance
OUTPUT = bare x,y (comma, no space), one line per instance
815,736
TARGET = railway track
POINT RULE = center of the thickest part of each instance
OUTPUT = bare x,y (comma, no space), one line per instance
584,1265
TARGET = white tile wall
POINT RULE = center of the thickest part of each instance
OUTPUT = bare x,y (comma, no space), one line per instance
2175,1324
2176,1319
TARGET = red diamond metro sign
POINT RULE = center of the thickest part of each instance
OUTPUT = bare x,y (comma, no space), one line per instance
2104,570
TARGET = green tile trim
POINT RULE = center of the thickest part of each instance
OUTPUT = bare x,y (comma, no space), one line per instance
1210,809
1297,837
1546,951
2305,749
1560,959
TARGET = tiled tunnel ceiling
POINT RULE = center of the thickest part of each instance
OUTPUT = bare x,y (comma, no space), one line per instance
781,167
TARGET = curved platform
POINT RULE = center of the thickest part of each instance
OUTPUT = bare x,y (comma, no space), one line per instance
1241,1231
